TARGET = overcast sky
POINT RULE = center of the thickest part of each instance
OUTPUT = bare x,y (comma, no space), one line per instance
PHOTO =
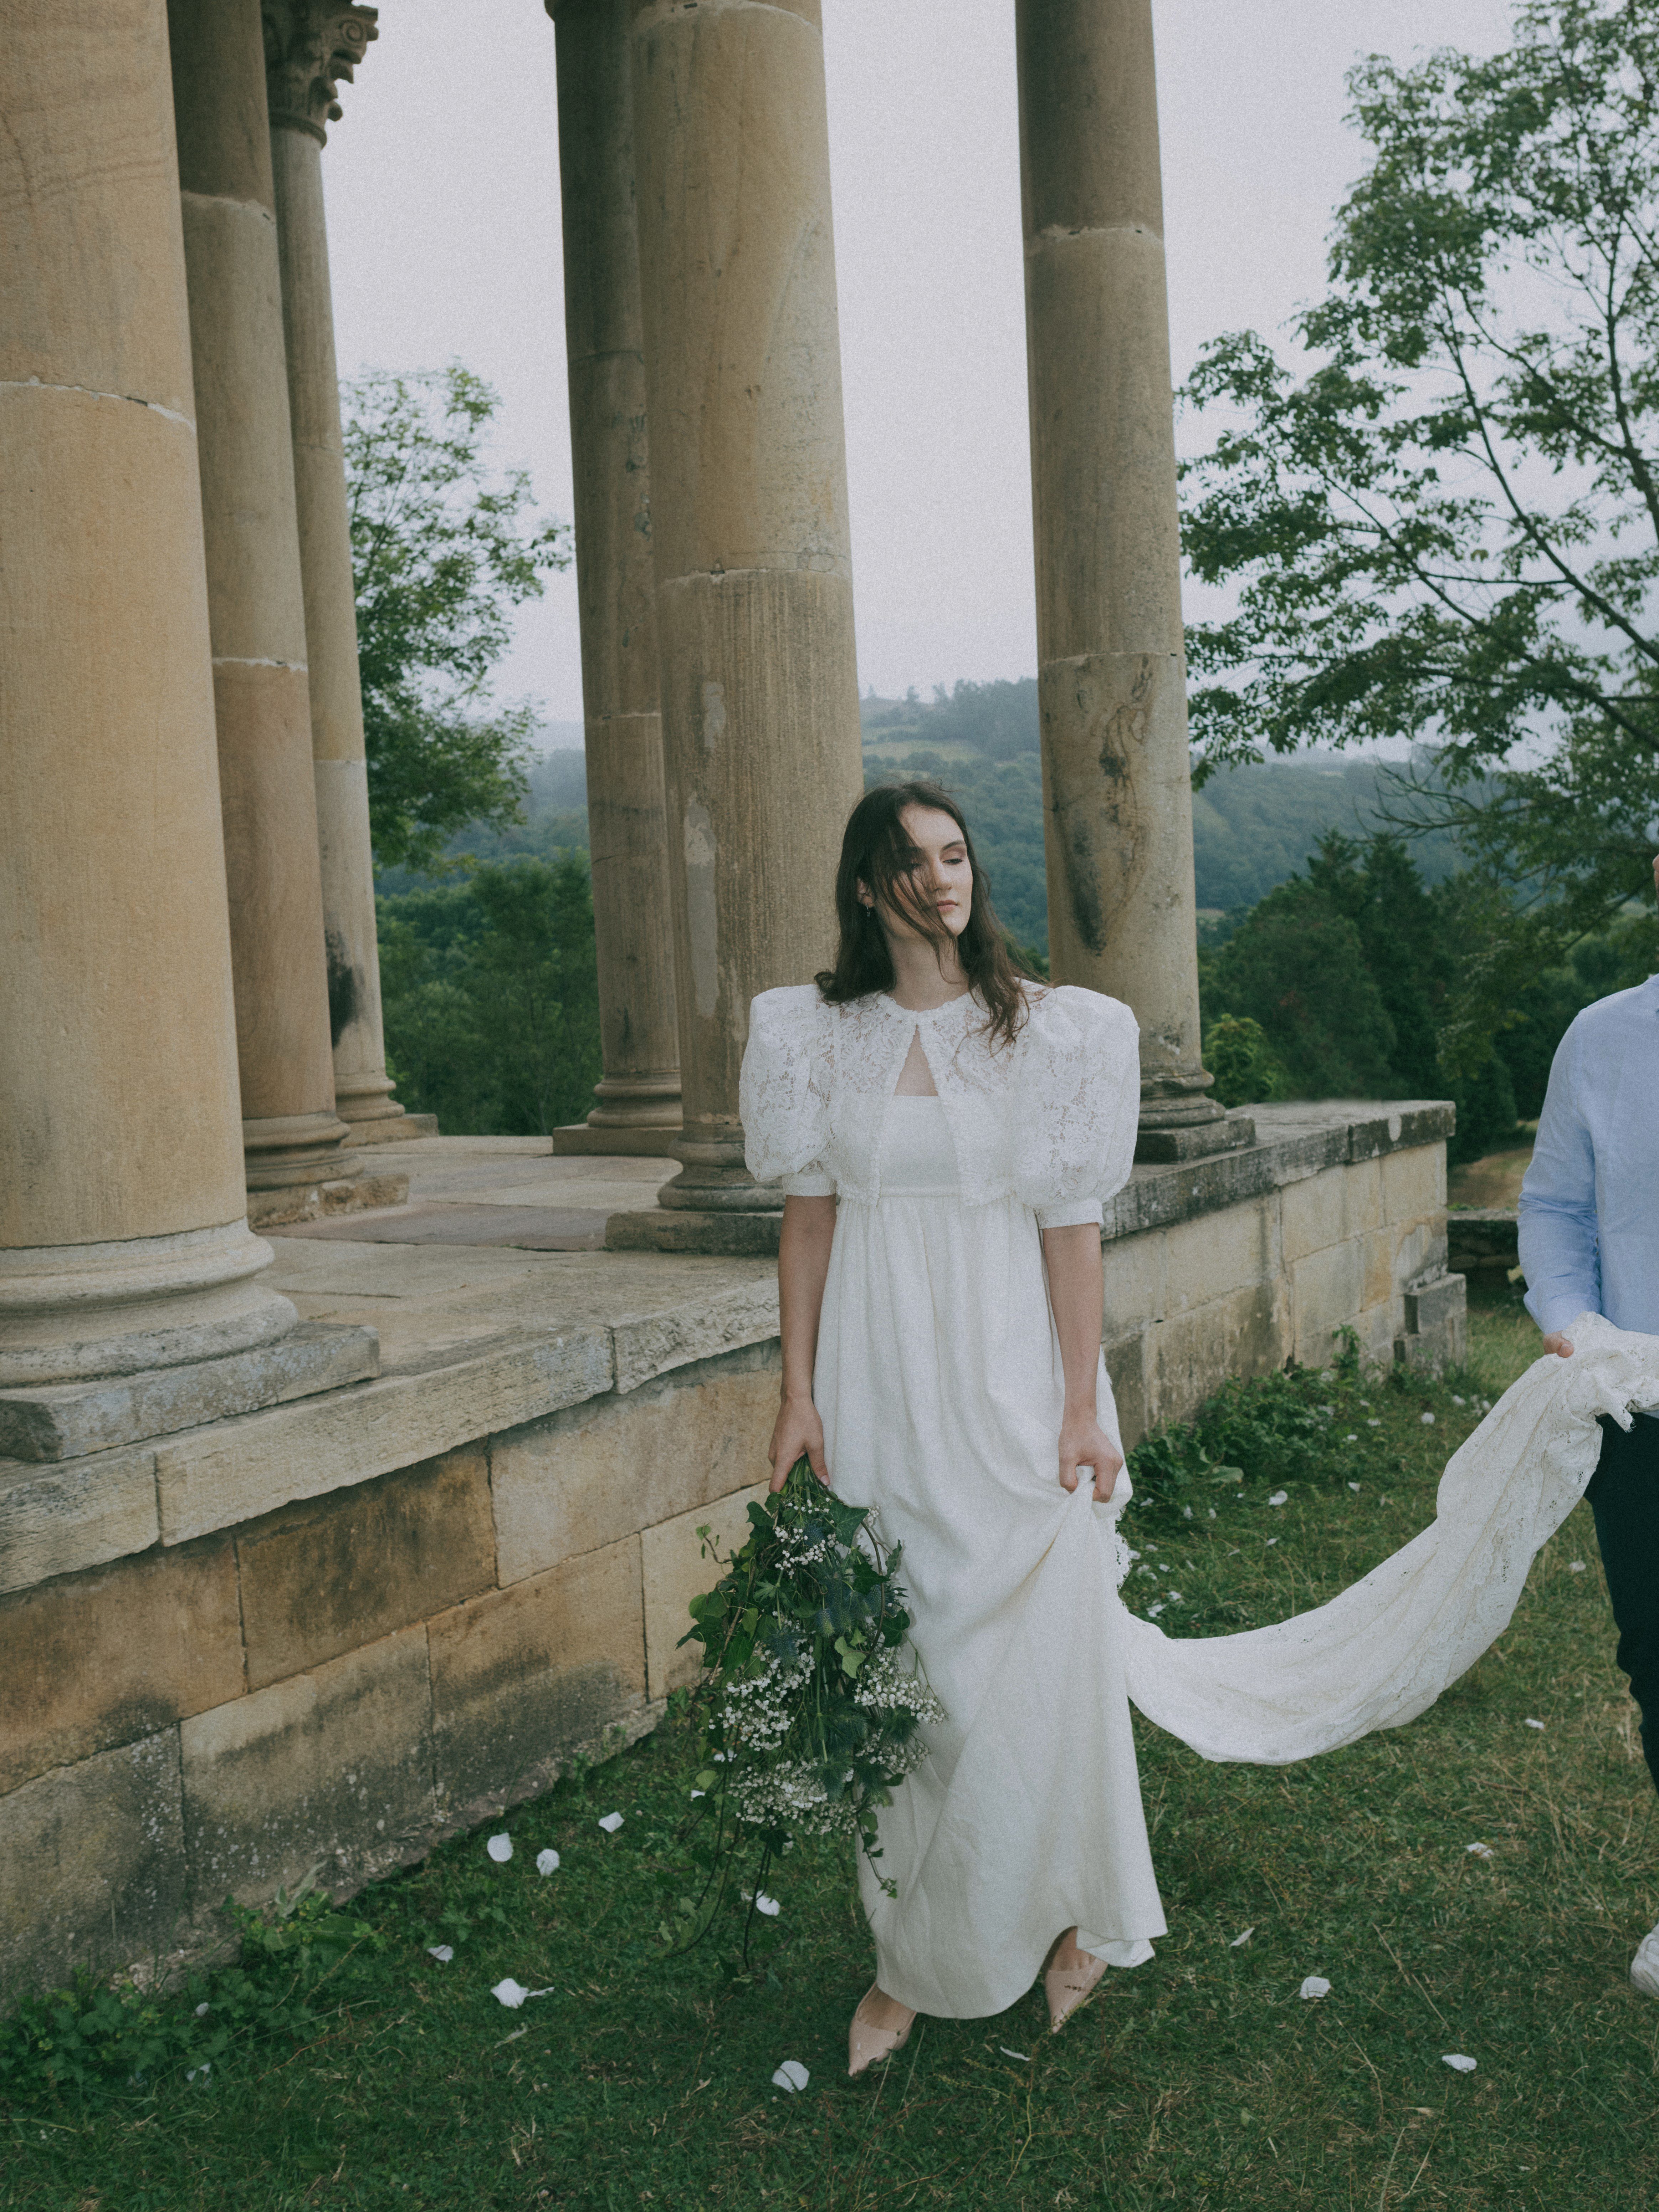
444,224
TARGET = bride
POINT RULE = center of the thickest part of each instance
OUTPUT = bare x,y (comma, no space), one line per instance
945,1127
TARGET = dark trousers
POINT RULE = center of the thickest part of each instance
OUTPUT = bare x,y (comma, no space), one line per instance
1624,1495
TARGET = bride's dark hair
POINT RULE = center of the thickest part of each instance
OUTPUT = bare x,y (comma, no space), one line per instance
877,852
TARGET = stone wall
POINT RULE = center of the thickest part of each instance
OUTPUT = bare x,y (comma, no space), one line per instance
334,1631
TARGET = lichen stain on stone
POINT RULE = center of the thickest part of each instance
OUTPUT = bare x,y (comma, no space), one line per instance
702,915
344,990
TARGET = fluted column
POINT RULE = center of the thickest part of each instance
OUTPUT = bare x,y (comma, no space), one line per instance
1111,666
310,45
124,1241
638,1092
748,528
255,605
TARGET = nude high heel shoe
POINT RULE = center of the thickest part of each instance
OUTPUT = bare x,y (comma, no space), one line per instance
1068,1989
866,2045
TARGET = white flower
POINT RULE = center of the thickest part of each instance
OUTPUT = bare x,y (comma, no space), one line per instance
1479,1851
1186,1512
1457,2062
1279,1498
547,1863
611,1823
1427,1420
1373,1423
443,1952
790,2075
510,1993
500,1848
1457,1400
1314,1986
1212,1513
768,1906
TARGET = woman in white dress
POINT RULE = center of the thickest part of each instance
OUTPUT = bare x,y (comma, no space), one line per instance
945,1129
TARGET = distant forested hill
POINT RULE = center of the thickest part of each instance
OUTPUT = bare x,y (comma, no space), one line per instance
1252,827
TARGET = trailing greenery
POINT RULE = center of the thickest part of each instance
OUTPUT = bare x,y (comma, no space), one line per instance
442,552
1197,2080
1446,528
490,997
806,1710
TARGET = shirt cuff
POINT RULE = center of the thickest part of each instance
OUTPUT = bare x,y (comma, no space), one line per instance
809,1184
1555,1314
1071,1215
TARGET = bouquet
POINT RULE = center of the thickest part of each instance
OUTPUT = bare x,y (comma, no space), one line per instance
807,1709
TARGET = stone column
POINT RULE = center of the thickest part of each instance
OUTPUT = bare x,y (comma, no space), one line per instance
124,1241
1111,666
639,1094
310,45
748,525
292,1134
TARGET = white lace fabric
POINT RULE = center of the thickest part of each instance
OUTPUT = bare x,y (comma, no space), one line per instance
1049,1119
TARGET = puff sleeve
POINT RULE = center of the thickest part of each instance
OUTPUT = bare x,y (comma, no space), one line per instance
1079,1102
783,1092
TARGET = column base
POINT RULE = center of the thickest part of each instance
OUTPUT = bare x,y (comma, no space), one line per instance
70,1311
283,1149
623,1140
1161,1142
752,1234
354,1192
400,1128
66,1420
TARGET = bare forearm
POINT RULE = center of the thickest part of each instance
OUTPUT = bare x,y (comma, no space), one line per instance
809,1228
1077,1294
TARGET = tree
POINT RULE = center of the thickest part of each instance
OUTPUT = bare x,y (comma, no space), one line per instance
1447,528
491,997
442,551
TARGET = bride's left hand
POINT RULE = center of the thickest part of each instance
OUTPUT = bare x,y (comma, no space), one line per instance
1084,1443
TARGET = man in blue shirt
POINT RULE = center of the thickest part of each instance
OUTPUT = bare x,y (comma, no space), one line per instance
1590,1244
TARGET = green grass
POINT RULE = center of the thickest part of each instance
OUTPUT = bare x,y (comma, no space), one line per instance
1200,2080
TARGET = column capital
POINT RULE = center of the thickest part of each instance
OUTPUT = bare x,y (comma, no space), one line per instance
310,45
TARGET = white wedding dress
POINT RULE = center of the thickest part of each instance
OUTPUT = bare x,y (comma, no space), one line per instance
939,1384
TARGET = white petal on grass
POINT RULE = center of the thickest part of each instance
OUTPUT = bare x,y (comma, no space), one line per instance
1459,2063
1575,1566
512,1994
790,2075
201,2011
1154,1611
1480,1850
203,2071
1373,1423
443,1952
1023,2057
611,1822
1279,1498
500,1848
1271,1540
768,1906
1353,1486
1427,1420
699,1793
1537,1724
547,1861
1238,1941
1457,1400
1314,1986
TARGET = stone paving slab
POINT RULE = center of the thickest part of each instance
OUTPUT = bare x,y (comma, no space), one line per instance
525,1227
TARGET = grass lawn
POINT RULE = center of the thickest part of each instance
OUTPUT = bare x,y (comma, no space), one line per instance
1198,2080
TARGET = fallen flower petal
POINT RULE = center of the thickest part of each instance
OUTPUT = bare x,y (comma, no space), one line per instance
1427,1420
1154,1611
790,2075
1480,1850
1023,2057
768,1906
1314,1986
510,1993
1271,1540
1458,2062
1239,1939
203,2071
699,1793
611,1822
1353,1486
201,2011
443,1952
547,1863
500,1848
1537,1724
1279,1498
1575,1566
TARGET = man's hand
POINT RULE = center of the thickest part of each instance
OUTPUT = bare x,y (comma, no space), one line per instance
1559,1345
797,1429
1084,1443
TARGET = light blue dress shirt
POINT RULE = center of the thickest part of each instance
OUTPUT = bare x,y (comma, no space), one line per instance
1589,1205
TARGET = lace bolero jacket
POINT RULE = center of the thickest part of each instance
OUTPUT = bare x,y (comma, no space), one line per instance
1049,1121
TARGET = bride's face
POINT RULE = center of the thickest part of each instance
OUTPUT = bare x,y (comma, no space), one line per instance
940,874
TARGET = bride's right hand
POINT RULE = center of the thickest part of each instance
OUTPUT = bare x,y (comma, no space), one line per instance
797,1431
